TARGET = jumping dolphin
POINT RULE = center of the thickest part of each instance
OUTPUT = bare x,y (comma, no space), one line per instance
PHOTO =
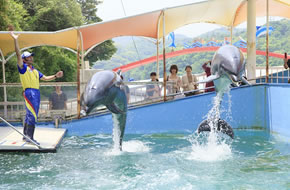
227,67
107,88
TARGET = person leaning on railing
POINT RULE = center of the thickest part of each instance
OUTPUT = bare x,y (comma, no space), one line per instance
206,67
175,79
29,78
153,90
189,81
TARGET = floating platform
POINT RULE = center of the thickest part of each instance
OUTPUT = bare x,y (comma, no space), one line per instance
49,139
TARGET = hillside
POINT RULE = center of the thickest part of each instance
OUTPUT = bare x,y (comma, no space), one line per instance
279,41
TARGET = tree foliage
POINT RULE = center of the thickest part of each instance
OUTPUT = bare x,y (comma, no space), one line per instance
52,15
8,15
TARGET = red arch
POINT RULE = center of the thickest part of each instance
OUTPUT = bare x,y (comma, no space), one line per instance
133,65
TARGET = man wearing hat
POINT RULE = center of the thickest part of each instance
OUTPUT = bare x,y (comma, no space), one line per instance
29,78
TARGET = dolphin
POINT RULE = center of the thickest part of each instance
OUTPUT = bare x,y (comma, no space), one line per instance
107,88
227,67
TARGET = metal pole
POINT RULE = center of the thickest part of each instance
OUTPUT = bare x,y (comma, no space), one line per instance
157,58
20,133
231,34
267,44
164,58
78,79
4,81
251,40
82,79
157,45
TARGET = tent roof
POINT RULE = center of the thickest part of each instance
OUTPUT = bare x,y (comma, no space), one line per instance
222,12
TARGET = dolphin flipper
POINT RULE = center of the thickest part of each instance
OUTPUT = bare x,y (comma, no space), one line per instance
209,79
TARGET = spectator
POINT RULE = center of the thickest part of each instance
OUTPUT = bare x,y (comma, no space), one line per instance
175,87
57,100
206,69
153,90
286,63
189,81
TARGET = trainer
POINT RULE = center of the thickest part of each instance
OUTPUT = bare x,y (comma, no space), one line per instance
29,78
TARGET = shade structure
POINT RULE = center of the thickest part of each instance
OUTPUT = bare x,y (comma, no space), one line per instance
276,8
140,25
223,12
220,12
64,38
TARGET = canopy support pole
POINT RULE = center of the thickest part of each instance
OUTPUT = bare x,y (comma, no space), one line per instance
231,34
267,43
78,79
157,46
4,81
164,58
251,41
157,58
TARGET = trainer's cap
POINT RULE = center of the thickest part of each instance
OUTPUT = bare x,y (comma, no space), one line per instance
26,54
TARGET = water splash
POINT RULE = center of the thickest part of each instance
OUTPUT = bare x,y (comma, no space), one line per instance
116,138
210,147
133,146
213,146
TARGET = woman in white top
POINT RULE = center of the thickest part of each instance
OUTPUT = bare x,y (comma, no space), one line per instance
189,81
173,78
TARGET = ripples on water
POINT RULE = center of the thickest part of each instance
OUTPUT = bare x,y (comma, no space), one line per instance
254,160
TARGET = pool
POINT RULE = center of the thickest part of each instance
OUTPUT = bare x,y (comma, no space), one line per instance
253,160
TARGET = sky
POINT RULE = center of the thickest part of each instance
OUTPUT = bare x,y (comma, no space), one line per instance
113,9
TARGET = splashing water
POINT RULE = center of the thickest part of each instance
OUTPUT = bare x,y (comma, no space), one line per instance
213,146
135,146
116,135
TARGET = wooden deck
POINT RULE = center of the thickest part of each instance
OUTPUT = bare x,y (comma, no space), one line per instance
49,139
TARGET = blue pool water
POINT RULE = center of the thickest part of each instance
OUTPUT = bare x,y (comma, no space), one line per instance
254,160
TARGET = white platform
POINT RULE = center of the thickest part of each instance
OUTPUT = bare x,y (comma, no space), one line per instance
49,139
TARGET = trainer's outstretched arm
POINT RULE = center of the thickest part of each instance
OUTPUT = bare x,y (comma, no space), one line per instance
59,74
17,49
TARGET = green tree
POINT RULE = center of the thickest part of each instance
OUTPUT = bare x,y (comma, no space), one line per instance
105,50
10,17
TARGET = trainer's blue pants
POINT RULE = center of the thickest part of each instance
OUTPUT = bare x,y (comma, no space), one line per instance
32,102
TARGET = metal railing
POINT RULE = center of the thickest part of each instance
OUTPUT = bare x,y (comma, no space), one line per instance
15,107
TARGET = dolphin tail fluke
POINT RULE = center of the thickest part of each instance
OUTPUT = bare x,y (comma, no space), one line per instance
209,79
223,127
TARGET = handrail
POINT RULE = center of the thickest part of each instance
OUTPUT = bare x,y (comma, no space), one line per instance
30,140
